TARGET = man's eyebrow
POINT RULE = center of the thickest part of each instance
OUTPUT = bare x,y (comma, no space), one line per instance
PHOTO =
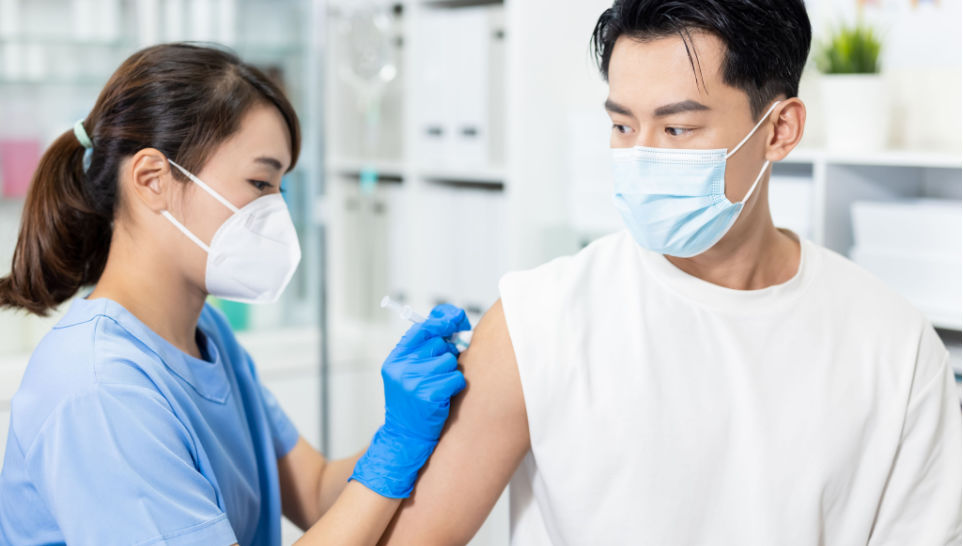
269,161
678,107
616,108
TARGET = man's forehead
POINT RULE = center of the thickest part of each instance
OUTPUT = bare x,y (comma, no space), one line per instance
677,50
666,73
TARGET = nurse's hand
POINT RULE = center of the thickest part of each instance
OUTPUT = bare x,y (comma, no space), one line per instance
420,377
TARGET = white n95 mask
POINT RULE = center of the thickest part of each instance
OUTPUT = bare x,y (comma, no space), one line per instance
254,253
673,201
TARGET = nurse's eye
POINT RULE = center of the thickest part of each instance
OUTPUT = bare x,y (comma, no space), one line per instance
621,129
677,131
261,185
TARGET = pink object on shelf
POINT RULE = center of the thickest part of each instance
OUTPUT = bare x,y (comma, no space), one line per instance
18,160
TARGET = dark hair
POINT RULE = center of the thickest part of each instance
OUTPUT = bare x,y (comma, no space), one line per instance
182,99
767,41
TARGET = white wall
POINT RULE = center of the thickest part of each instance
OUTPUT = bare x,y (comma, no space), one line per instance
550,74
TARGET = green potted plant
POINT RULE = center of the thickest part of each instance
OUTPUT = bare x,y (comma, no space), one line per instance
855,101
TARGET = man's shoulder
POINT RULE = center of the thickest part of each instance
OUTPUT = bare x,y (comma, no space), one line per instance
860,292
841,275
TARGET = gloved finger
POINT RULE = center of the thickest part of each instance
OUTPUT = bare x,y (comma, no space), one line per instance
420,371
454,314
445,320
415,336
442,387
432,347
440,364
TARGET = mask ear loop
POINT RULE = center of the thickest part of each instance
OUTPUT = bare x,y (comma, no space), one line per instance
183,229
756,183
744,140
754,129
205,187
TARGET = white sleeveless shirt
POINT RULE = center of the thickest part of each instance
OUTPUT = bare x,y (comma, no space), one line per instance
665,410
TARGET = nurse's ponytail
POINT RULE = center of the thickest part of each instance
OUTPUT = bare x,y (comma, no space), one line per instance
64,232
181,99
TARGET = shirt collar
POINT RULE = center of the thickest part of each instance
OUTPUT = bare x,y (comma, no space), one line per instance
207,377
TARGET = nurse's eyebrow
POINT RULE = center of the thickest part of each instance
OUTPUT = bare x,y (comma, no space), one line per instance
269,161
679,107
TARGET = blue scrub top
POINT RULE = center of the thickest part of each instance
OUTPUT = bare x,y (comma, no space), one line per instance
118,437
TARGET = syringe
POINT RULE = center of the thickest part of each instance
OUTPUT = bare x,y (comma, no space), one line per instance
459,339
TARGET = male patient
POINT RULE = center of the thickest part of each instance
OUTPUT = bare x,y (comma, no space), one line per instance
702,377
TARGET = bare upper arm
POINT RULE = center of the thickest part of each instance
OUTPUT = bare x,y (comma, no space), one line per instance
485,439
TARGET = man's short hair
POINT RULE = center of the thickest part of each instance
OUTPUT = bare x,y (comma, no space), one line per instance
767,41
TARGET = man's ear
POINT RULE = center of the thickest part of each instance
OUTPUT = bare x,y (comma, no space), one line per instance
790,121
152,179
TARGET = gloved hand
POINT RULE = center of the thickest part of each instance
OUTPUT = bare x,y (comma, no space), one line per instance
420,377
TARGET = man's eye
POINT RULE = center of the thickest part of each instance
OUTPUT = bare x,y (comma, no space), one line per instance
676,131
260,184
621,128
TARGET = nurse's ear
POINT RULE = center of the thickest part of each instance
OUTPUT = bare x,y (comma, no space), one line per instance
151,178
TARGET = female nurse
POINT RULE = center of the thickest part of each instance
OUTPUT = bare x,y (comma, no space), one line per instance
140,420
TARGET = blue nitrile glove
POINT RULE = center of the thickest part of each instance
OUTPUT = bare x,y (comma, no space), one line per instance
420,377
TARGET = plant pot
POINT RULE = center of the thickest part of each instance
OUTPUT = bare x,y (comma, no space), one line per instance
856,112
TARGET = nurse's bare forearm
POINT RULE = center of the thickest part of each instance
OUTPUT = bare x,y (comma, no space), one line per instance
358,517
333,480
310,484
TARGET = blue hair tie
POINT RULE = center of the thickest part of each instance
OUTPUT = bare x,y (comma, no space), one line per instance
84,141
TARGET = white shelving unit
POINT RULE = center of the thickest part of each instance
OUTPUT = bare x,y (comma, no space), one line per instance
408,175
839,180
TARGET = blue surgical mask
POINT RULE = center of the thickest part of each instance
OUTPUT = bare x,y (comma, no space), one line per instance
673,201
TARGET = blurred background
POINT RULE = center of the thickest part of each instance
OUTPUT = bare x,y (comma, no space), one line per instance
448,142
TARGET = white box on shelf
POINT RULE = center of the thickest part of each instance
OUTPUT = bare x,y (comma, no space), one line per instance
498,234
10,22
917,225
174,17
439,224
932,282
202,20
476,255
467,254
431,99
399,259
84,19
468,68
227,21
109,14
148,26
363,252
452,88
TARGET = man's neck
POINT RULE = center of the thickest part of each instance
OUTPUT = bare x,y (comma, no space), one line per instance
144,284
748,259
